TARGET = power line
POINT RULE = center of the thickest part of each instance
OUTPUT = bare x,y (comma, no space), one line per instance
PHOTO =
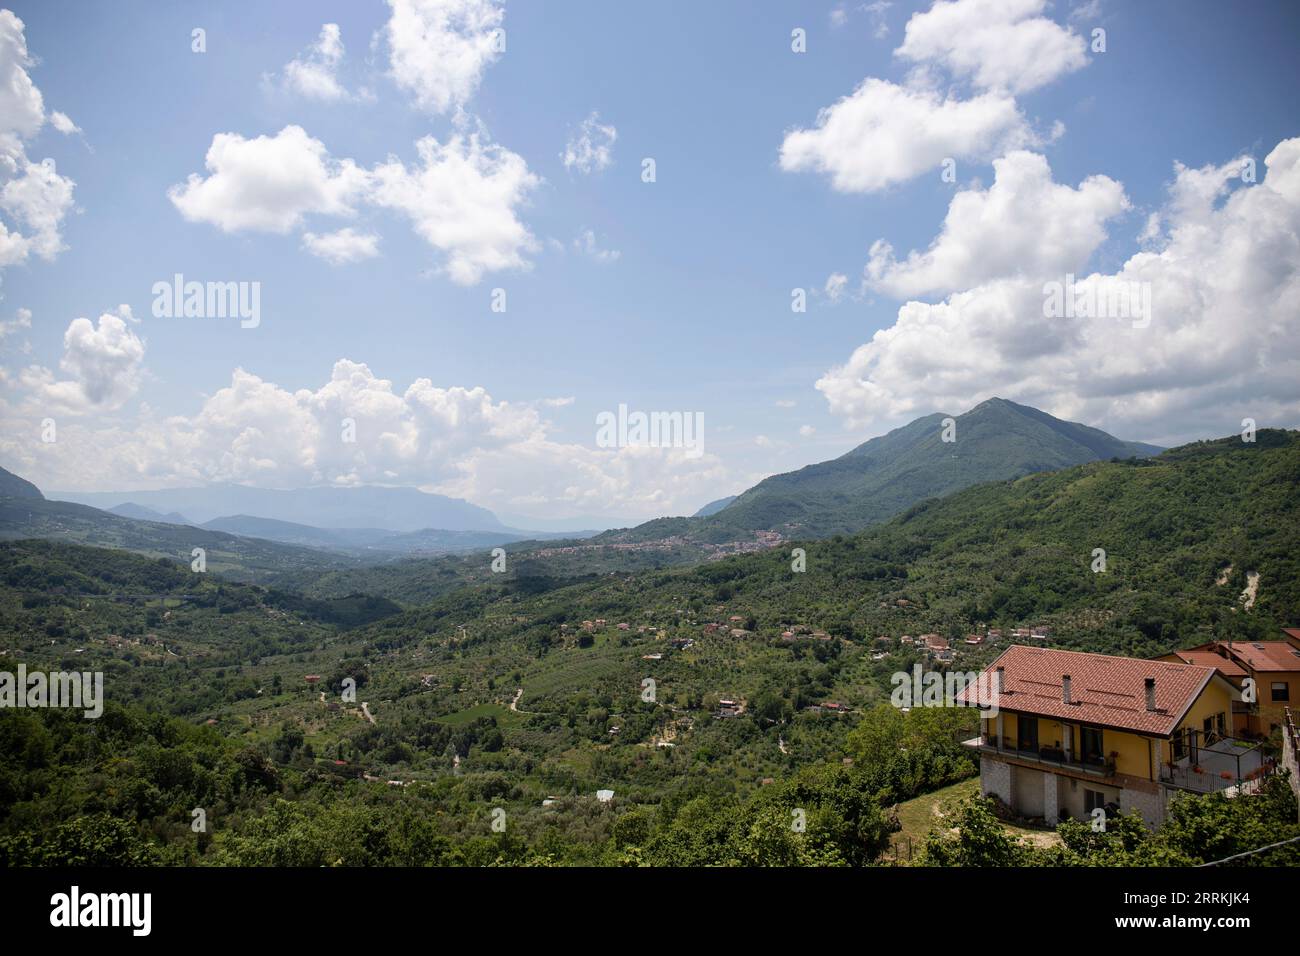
1238,856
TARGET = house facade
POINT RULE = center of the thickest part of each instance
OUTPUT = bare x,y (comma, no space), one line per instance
1076,731
1272,666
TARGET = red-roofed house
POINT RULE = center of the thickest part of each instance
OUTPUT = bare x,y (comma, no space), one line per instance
1075,731
1272,667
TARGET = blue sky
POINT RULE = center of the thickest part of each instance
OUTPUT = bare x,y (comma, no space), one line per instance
694,313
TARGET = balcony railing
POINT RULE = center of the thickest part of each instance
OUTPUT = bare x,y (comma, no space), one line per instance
1054,756
1221,763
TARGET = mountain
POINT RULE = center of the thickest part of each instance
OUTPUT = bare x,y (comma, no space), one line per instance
389,509
713,507
14,487
994,441
235,557
502,672
132,510
426,540
577,525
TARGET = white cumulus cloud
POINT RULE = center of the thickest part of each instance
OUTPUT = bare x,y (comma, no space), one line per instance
104,363
463,200
1024,224
439,49
268,183
883,134
1222,342
996,44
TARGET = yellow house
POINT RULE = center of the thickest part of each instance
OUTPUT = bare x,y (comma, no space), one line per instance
1273,667
1075,731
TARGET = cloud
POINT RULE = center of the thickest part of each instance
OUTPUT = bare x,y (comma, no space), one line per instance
1223,341
21,322
462,197
34,195
785,403
883,134
451,440
836,285
22,109
39,199
587,245
345,245
314,73
105,362
269,183
439,49
1001,45
462,200
63,123
841,14
1024,225
591,149
807,431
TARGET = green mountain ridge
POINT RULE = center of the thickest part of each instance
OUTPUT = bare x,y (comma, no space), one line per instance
994,441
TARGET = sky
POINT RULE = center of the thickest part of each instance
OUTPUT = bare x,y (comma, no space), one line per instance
387,176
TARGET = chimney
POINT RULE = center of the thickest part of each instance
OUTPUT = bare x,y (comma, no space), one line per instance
1065,688
1151,693
998,680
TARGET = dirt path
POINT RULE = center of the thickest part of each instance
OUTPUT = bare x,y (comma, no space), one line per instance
780,744
1252,590
514,704
365,709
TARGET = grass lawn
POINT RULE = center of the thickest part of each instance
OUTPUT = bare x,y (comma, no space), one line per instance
919,814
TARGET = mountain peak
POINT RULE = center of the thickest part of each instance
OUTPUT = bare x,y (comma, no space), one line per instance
997,440
14,487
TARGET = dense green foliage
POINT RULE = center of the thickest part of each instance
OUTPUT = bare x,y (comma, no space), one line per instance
492,692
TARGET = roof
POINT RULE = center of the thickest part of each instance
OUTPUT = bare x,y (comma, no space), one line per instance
1107,691
1208,658
1267,655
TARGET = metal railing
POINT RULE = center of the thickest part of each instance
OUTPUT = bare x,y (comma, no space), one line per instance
1055,756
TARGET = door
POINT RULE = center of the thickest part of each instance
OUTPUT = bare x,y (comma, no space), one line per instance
1091,746
1027,734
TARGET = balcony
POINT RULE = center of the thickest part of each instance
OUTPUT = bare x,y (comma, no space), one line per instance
1222,764
1101,767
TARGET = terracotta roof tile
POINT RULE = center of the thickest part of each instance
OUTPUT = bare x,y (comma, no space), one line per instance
1266,655
1106,691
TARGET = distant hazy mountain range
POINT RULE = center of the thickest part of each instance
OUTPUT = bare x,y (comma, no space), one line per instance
388,509
997,440
713,507
130,509
245,546
368,539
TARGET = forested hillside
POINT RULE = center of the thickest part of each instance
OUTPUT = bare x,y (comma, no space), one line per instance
712,700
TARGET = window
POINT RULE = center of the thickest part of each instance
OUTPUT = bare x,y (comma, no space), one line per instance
1281,691
1092,799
